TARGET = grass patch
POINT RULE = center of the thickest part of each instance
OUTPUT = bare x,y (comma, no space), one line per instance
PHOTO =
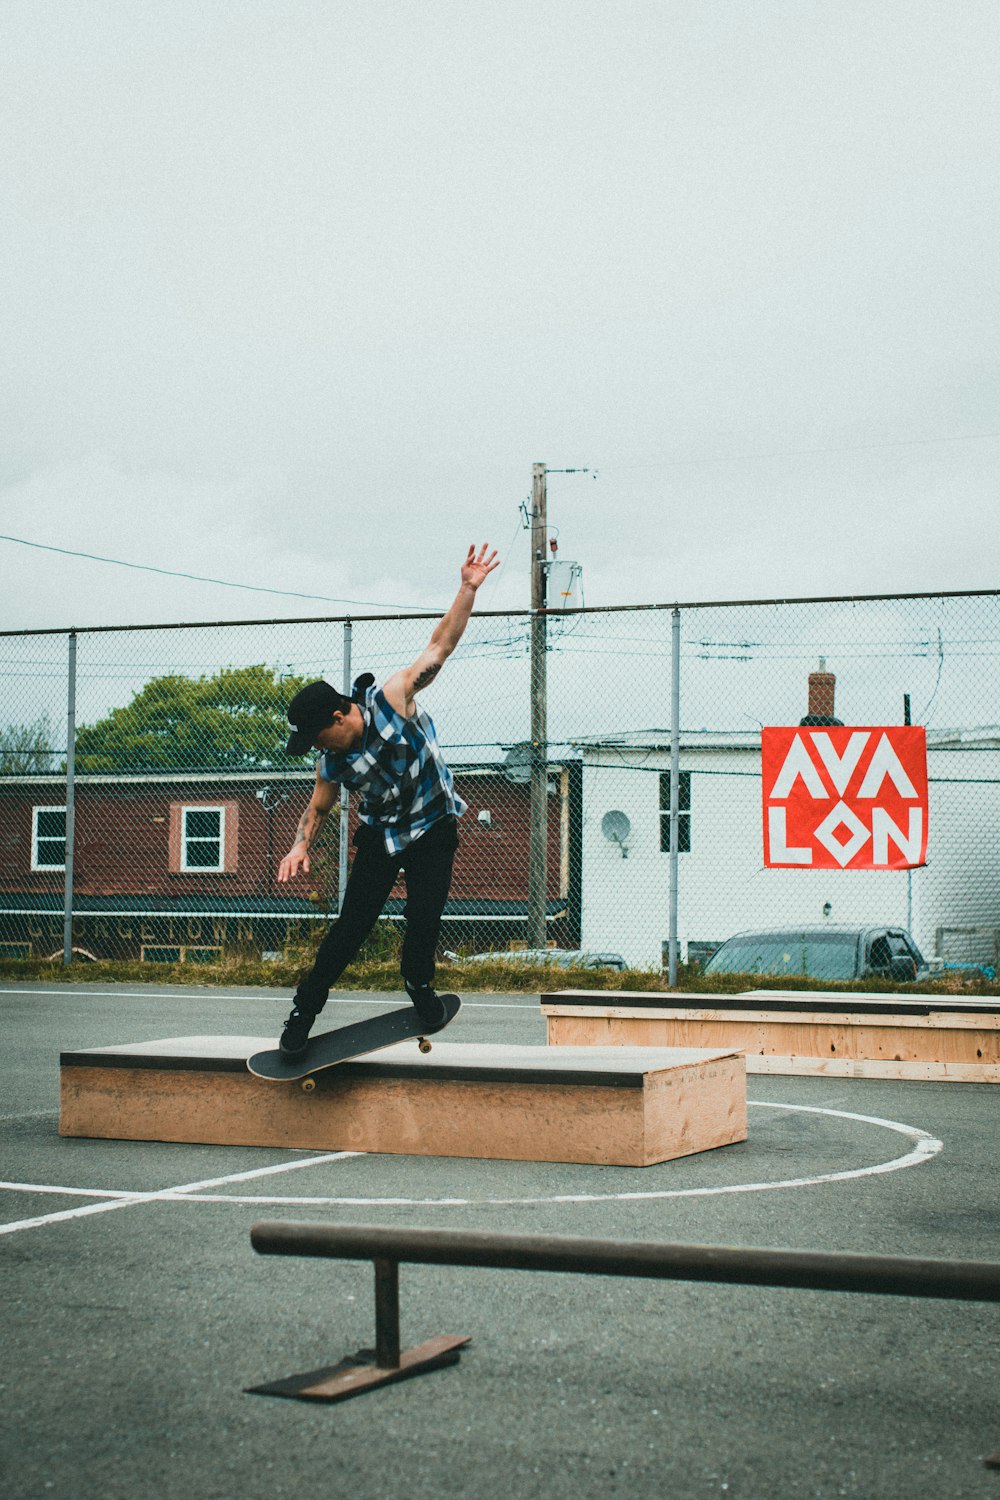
380,973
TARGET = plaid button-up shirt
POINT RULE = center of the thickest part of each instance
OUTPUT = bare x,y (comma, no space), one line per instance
398,772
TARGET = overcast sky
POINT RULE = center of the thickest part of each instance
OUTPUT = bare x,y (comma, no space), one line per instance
295,293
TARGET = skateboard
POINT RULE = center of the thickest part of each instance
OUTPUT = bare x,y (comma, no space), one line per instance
333,1047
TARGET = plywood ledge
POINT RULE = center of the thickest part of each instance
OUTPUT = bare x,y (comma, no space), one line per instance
959,1045
620,1105
777,1001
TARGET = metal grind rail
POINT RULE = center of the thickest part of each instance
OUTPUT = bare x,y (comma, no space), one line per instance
387,1248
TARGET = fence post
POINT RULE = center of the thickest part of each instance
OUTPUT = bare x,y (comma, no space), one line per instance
70,800
538,837
675,784
345,796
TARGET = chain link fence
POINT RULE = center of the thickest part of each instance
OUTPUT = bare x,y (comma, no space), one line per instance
160,836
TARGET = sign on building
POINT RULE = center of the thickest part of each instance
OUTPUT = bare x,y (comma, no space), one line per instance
845,798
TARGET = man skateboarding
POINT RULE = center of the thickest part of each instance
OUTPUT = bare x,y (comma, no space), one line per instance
381,745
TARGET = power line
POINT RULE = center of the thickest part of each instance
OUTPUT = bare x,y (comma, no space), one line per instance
200,578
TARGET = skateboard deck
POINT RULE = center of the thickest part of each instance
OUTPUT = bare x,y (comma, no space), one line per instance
332,1047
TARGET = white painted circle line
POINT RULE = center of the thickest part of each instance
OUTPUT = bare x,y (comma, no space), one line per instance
111,1200
925,1146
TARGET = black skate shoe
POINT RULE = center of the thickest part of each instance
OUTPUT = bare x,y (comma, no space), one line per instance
295,1037
430,1008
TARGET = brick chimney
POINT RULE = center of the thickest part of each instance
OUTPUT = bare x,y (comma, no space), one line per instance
822,688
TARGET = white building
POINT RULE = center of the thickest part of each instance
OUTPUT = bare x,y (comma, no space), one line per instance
951,905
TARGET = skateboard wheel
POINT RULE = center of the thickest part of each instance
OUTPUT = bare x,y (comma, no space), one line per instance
308,1084
424,1044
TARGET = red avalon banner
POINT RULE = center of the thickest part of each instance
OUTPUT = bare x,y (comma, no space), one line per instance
845,798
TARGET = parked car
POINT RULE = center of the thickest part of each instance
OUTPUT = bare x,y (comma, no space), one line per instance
829,952
562,958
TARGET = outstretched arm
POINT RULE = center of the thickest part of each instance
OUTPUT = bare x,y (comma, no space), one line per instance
324,797
402,687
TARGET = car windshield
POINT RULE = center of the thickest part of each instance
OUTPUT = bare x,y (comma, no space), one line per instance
817,955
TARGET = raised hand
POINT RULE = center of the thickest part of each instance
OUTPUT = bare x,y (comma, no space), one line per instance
476,569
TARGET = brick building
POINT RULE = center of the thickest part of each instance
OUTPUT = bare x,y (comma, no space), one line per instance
183,866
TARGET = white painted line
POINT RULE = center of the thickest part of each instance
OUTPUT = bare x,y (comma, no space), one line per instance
134,1196
921,1153
501,1005
529,1003
36,1187
123,994
163,1195
70,1213
924,1148
271,1171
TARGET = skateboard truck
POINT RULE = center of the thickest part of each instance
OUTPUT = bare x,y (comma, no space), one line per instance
309,1084
370,1368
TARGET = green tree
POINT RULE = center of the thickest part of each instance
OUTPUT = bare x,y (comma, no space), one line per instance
234,721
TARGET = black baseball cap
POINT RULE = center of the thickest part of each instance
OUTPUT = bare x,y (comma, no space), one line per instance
311,710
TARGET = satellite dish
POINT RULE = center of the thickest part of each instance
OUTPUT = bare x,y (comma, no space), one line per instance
616,828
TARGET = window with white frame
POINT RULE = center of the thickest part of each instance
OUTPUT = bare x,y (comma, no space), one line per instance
203,838
683,812
48,838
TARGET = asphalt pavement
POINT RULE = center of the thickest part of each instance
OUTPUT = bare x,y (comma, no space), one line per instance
132,1322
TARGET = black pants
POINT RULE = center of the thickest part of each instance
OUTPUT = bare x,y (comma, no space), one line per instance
427,864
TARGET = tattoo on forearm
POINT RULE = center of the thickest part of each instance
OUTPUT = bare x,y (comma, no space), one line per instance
308,825
427,675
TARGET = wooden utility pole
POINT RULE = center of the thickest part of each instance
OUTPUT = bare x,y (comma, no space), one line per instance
538,838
